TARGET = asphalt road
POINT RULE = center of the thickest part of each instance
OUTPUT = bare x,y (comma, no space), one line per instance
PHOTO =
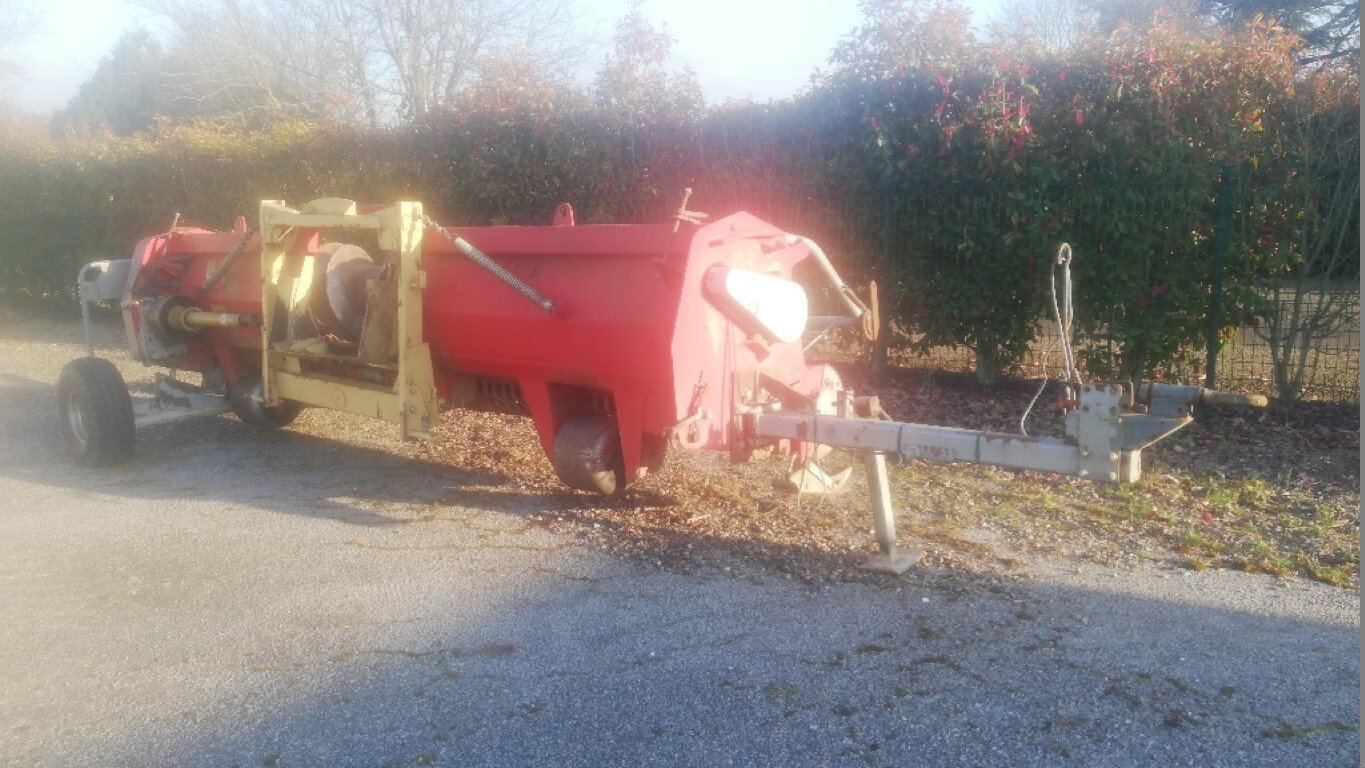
233,598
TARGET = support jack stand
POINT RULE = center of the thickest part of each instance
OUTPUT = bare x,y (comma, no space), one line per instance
890,559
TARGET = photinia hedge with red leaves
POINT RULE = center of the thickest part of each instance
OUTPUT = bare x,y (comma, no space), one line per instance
948,166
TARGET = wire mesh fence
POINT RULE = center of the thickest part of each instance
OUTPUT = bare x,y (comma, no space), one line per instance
1245,362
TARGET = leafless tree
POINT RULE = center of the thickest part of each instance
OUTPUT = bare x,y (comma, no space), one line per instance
19,20
377,60
1064,24
1307,309
1056,24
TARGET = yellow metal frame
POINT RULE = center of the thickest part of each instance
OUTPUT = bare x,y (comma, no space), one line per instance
411,402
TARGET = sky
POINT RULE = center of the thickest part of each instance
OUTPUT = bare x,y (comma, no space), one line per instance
739,48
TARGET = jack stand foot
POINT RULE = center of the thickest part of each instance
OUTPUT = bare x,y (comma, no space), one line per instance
891,560
895,563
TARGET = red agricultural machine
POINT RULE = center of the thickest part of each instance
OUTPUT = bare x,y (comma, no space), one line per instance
621,342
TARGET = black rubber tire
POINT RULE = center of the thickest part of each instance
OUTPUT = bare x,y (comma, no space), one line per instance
96,412
587,455
242,397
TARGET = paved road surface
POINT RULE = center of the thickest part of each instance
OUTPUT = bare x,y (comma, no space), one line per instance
238,599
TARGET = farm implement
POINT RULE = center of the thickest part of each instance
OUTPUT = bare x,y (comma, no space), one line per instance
620,342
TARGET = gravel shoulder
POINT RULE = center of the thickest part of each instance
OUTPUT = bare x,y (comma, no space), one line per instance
325,595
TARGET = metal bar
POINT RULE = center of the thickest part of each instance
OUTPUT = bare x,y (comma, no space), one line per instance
883,515
881,345
888,559
81,292
846,295
823,322
229,260
1220,247
85,321
920,441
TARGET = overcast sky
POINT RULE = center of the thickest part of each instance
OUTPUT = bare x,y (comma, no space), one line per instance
739,48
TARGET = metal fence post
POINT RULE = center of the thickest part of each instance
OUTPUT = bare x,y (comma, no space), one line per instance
879,348
1220,248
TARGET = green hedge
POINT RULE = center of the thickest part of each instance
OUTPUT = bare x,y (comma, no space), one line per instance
965,164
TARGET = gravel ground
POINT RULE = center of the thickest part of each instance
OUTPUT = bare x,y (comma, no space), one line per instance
324,596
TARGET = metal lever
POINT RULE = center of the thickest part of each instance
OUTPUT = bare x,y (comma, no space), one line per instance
231,258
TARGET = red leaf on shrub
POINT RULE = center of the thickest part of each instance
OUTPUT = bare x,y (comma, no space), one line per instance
1079,116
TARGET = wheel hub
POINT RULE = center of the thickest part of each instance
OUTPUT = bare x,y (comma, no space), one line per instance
75,416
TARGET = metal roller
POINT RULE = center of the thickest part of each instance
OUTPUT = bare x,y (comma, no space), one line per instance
339,299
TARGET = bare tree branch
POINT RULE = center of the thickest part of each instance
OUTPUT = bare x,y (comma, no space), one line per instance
19,21
1064,24
372,60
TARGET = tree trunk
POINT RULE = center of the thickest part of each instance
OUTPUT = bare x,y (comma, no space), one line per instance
987,367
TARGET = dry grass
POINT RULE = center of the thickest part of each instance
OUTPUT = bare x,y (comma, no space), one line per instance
1250,492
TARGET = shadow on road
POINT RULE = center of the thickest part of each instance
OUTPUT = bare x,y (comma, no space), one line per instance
408,643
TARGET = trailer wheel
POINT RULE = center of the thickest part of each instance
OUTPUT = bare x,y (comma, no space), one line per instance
96,412
243,396
587,455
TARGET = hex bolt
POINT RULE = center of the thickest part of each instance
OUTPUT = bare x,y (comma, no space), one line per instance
1113,476
1113,457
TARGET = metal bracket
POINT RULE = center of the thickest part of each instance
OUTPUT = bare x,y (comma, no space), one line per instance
287,237
99,281
811,478
1098,427
175,401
